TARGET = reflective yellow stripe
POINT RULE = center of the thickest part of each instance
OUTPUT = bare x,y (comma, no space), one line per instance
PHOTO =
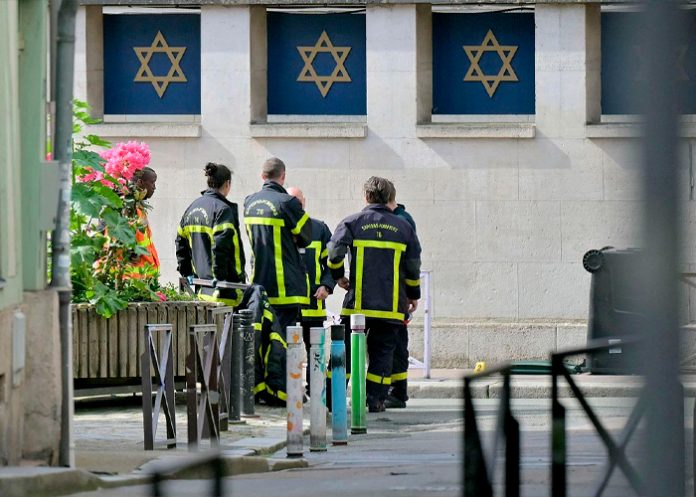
395,297
258,326
288,300
278,252
399,377
398,316
316,246
399,247
268,315
279,394
197,228
144,242
325,253
380,380
298,227
314,313
215,298
180,231
276,336
335,265
259,388
412,282
268,221
235,242
359,260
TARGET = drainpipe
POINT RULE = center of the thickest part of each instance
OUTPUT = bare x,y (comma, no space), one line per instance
60,269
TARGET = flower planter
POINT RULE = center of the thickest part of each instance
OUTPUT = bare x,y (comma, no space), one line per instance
106,352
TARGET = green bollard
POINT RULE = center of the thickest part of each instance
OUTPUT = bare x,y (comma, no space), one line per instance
358,376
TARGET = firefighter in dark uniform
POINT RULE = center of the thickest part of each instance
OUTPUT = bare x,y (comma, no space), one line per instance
208,243
277,227
398,391
383,282
321,283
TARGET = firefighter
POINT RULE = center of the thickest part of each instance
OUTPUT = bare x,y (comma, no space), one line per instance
277,227
321,283
398,391
142,265
208,244
383,281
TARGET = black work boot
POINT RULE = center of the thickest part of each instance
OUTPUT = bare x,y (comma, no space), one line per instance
394,403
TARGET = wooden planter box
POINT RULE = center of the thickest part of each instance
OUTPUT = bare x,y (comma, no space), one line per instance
106,352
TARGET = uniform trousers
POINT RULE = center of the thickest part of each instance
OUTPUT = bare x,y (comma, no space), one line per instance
399,376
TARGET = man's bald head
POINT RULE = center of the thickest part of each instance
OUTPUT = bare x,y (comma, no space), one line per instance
297,193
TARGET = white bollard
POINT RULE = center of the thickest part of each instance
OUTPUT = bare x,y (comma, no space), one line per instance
317,390
294,390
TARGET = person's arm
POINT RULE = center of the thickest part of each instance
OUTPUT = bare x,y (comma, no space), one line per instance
183,253
412,264
326,281
226,263
298,221
337,248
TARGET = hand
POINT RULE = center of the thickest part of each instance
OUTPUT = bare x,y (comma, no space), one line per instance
344,283
213,282
321,293
189,278
412,305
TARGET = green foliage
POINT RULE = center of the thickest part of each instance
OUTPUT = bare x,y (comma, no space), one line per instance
103,225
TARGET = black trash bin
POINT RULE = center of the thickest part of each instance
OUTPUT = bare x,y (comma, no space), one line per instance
614,306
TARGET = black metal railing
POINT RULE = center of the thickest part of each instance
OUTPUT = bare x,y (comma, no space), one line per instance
479,470
163,366
616,449
212,465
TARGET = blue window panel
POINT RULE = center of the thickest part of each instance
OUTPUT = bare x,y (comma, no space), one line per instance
494,74
624,69
332,79
169,77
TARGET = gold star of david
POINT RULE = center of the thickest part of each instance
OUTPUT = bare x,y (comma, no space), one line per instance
505,52
309,74
175,74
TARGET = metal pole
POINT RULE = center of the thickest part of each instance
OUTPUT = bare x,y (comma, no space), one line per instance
249,373
427,323
60,240
237,371
294,390
317,390
339,414
357,374
662,25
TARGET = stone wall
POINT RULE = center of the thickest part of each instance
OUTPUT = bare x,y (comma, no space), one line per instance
505,211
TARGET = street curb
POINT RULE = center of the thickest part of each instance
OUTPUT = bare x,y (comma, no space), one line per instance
46,482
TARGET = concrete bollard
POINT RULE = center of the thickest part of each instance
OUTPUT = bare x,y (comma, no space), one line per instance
317,390
339,414
295,390
249,377
237,370
358,376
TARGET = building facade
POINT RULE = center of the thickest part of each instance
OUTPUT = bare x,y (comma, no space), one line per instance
30,388
504,127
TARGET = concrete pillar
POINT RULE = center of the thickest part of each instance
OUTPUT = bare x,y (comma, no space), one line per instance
424,63
567,69
392,108
89,58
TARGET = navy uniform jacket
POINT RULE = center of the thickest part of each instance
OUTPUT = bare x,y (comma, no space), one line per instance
277,225
385,263
315,257
208,245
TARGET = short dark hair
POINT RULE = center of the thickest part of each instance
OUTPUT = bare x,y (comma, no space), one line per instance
217,174
378,190
273,168
141,173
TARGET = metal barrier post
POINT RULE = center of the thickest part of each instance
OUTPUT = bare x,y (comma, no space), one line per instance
294,391
202,367
558,433
339,414
164,373
225,364
357,374
427,321
317,390
249,377
237,371
476,482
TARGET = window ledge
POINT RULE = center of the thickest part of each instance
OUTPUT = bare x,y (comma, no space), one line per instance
476,130
630,130
308,130
146,130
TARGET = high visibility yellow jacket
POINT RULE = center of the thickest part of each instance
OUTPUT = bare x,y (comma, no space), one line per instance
384,263
315,256
277,226
208,245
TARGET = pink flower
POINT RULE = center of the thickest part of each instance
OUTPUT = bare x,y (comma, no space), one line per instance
125,159
161,296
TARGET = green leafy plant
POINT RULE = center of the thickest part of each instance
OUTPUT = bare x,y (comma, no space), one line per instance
104,222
